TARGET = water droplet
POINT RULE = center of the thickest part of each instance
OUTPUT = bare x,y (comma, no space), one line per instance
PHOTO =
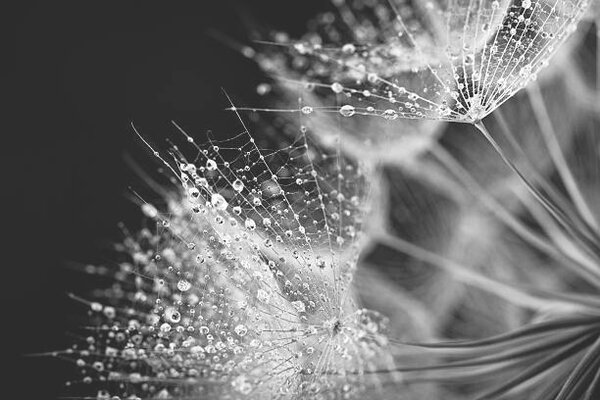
218,202
241,330
172,315
306,110
298,305
349,48
184,285
238,185
347,110
194,193
263,296
250,224
211,165
109,312
390,114
263,89
336,87
149,210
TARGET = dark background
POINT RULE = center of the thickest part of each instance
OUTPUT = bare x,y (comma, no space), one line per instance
79,72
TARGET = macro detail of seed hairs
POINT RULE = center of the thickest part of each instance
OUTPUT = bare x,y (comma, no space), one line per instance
409,208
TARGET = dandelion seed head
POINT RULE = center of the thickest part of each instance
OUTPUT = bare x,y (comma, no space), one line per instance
246,292
453,61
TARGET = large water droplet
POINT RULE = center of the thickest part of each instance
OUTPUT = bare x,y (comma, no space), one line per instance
347,110
238,185
218,202
241,330
184,285
336,87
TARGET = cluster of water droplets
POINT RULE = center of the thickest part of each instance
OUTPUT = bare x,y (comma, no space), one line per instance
453,60
241,288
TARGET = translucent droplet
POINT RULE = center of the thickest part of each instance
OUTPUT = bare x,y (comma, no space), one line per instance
218,202
194,193
172,315
184,285
149,210
238,185
336,87
390,114
299,306
347,110
109,312
263,296
306,110
211,165
250,224
241,330
263,89
349,48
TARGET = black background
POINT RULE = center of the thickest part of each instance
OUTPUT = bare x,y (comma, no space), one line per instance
80,72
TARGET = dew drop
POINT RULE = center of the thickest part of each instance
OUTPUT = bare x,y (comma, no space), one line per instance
211,165
336,87
298,305
263,89
372,77
172,315
306,110
149,210
184,285
349,48
263,296
238,185
347,110
390,114
250,224
241,330
218,202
